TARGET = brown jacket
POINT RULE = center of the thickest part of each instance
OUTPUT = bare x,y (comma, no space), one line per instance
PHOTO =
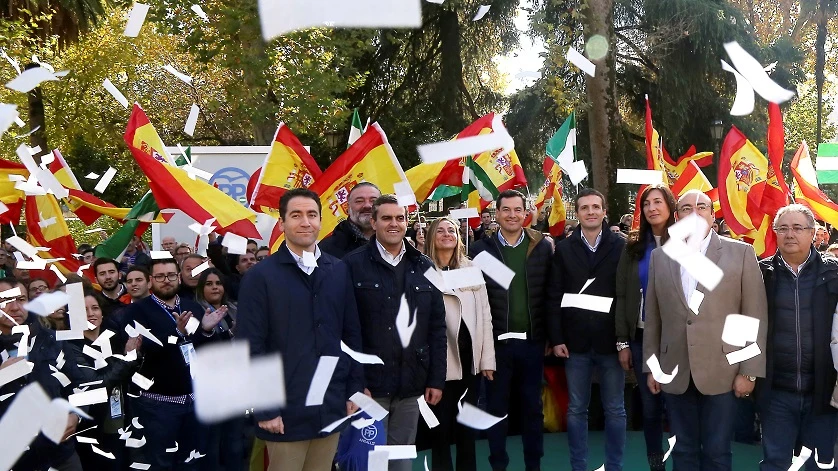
694,342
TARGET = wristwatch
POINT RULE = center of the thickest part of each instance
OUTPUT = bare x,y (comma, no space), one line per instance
622,346
750,378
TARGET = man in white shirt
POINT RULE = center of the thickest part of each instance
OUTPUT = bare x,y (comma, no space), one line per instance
701,398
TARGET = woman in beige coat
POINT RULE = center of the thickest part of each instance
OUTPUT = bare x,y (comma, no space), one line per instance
471,348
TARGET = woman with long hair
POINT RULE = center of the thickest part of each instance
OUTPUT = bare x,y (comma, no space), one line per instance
210,294
658,209
109,416
471,347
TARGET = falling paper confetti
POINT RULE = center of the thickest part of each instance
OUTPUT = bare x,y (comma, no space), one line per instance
199,11
185,78
30,79
576,58
481,12
192,120
657,373
111,88
135,20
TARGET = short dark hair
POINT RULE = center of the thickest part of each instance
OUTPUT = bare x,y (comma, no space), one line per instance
251,241
264,247
297,192
588,192
486,211
361,185
510,194
140,269
84,248
385,199
103,261
88,250
162,261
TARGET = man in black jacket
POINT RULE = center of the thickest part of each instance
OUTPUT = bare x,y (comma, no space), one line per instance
586,262
801,286
521,309
353,233
384,271
167,406
303,311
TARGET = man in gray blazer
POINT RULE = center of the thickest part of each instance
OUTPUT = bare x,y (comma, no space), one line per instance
700,399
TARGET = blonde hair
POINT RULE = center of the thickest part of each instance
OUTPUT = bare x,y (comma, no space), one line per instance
459,254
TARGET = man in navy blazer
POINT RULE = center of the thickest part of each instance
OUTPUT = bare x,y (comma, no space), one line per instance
300,302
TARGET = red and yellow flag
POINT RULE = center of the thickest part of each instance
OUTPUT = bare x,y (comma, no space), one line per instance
505,171
9,195
657,158
45,227
806,191
288,165
743,177
369,159
552,188
173,188
62,171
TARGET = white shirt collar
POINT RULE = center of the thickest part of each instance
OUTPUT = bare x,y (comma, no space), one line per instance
596,242
800,268
306,269
388,257
507,244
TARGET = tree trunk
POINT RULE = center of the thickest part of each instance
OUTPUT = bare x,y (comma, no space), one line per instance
37,118
820,62
451,101
603,116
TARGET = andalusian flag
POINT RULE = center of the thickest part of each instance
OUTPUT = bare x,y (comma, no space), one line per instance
356,130
173,188
9,195
185,158
806,191
743,178
138,218
828,162
288,165
475,178
46,227
552,188
62,171
562,146
370,159
504,171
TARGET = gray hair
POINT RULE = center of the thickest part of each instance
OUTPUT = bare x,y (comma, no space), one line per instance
796,208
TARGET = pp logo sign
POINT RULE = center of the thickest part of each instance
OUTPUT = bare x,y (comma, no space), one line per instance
369,432
233,182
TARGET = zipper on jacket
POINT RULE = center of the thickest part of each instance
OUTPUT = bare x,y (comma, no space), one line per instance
797,329
500,253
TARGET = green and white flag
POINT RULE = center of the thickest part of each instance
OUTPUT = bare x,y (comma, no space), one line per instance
356,130
827,163
475,178
562,146
144,211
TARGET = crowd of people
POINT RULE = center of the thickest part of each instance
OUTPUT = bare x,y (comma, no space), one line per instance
310,300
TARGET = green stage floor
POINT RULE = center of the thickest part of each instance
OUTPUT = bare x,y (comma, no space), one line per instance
745,457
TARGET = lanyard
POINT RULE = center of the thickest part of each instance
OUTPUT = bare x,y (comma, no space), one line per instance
166,310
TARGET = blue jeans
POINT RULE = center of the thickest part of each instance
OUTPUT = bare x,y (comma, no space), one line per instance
703,425
520,365
167,423
652,403
579,368
789,419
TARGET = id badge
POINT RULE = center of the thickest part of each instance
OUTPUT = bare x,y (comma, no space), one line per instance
115,403
188,351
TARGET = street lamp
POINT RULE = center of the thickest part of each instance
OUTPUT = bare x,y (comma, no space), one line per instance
716,129
333,138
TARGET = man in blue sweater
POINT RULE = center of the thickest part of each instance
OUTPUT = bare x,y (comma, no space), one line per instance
300,302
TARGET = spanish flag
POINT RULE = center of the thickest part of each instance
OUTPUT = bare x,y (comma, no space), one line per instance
172,187
45,227
806,191
62,171
657,158
369,159
744,174
9,195
553,189
504,171
288,165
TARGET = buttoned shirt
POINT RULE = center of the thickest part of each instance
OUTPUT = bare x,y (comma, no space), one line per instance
388,257
299,260
688,283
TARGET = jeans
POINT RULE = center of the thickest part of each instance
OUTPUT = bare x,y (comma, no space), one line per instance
167,423
703,426
789,419
401,424
463,436
226,445
652,403
579,368
519,365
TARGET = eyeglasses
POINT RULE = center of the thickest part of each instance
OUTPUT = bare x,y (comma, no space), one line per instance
687,209
169,276
783,230
40,289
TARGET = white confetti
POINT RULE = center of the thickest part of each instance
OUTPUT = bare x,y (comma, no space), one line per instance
743,354
403,325
427,413
471,416
30,79
364,358
142,381
191,120
640,177
494,269
200,12
657,372
135,20
753,71
321,379
185,78
111,88
481,12
574,57
105,181
739,330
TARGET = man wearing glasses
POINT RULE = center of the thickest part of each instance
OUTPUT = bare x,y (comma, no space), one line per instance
802,289
684,322
167,406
